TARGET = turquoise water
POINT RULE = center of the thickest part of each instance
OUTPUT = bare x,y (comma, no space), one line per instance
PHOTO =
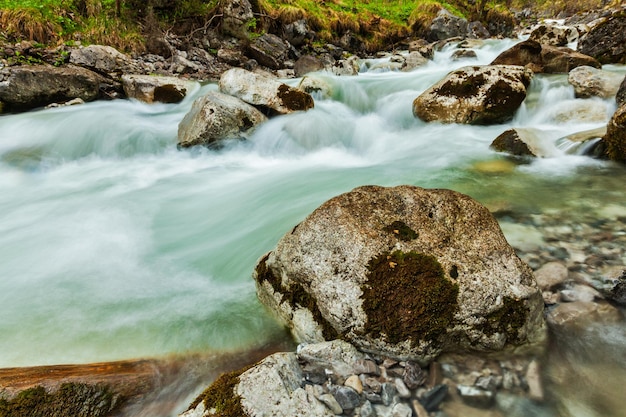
116,245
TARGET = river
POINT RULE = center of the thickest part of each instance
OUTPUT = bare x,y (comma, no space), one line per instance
114,244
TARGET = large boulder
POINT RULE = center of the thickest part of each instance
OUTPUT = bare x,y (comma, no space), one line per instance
544,58
524,142
237,18
475,95
446,25
152,89
28,87
593,82
607,41
615,138
215,117
265,92
269,50
403,272
101,58
555,35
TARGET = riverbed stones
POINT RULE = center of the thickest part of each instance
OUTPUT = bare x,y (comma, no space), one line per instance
607,41
593,82
151,89
475,95
264,92
215,117
615,138
544,58
31,86
425,253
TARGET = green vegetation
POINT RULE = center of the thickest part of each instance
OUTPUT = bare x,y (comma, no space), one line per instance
126,24
408,297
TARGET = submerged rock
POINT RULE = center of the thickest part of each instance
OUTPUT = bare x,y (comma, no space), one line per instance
544,58
215,117
475,95
395,271
593,82
28,87
264,92
150,89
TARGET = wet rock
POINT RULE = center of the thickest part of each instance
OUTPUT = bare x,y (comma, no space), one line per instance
434,397
446,25
215,117
554,35
347,397
388,392
413,376
346,67
265,92
476,397
615,138
306,64
620,97
366,410
152,89
592,82
334,292
422,46
419,409
524,142
587,111
237,18
27,87
100,58
578,292
269,50
607,41
463,54
551,275
475,95
544,58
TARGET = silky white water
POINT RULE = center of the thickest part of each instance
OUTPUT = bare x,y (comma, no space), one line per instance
116,245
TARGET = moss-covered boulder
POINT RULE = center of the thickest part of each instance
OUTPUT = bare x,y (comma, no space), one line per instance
475,95
404,272
607,41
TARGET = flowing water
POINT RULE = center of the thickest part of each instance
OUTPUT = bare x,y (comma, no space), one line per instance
116,245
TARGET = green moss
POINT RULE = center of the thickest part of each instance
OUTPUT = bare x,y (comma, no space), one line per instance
408,296
221,396
401,230
71,400
295,99
507,320
295,295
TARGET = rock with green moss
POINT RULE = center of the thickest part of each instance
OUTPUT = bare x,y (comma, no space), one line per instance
475,95
404,272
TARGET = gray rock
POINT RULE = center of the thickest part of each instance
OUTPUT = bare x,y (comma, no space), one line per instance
551,275
296,33
403,391
413,376
367,410
477,30
413,60
524,142
269,50
337,255
554,35
388,393
265,92
475,95
152,89
331,402
336,355
215,117
616,289
544,58
463,54
366,366
237,18
346,67
607,41
316,86
101,58
347,398
489,382
401,410
476,397
446,25
306,64
592,82
433,397
28,87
